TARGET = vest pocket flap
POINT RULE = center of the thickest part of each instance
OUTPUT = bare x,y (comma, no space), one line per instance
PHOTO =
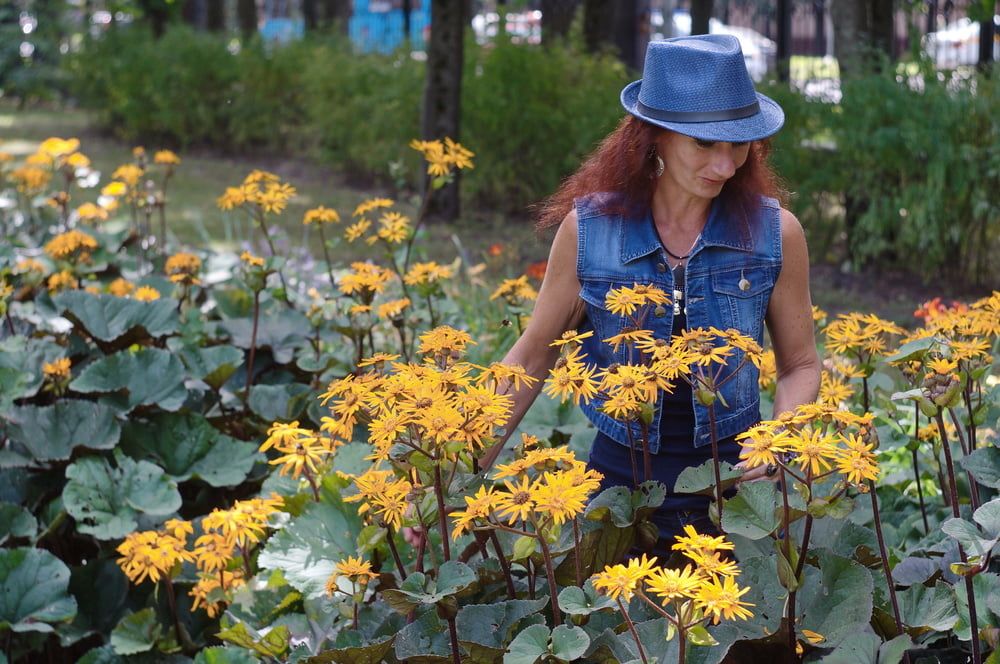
594,293
742,283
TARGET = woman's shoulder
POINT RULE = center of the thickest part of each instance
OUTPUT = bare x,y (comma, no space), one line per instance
597,203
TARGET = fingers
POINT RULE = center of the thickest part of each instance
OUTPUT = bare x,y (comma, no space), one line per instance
767,472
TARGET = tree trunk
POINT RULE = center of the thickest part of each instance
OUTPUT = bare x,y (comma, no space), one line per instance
701,12
784,39
443,91
337,12
310,17
632,31
407,9
246,16
668,7
215,15
557,17
191,13
987,34
862,29
819,27
598,24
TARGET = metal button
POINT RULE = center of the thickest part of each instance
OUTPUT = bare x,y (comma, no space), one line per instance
660,311
744,284
661,267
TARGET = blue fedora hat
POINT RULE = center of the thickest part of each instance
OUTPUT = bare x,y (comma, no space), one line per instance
699,86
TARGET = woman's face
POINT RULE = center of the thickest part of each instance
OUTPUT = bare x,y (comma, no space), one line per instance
699,168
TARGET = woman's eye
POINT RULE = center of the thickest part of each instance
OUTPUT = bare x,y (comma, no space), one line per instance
704,144
740,145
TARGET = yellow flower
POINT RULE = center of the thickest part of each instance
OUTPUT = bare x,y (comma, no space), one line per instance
90,212
356,570
182,268
630,336
623,580
114,189
251,260
394,227
515,503
59,147
760,443
570,378
858,462
146,294
477,507
694,542
305,455
62,281
166,158
833,391
321,215
377,358
65,245
444,340
572,337
719,597
212,552
393,308
365,280
557,495
30,179
427,273
768,370
121,287
515,291
57,370
356,230
209,585
815,450
29,265
151,554
669,584
372,204
130,174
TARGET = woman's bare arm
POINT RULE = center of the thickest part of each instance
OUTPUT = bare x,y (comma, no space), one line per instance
557,309
790,324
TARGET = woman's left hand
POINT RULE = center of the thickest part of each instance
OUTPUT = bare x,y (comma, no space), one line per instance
758,473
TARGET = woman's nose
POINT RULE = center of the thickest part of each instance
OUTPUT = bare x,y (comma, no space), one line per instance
723,163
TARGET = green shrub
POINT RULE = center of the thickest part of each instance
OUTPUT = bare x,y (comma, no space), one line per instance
532,114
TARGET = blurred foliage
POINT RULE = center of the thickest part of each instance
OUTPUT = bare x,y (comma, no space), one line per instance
29,63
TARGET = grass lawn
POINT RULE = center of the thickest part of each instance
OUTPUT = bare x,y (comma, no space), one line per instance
194,218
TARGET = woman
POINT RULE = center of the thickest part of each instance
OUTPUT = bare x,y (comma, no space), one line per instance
679,196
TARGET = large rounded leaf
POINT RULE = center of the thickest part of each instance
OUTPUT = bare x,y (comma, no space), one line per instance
33,595
50,433
106,500
282,333
187,446
836,600
214,365
148,376
23,359
752,511
15,521
307,549
116,319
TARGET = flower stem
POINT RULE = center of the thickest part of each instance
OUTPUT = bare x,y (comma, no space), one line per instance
973,485
253,340
916,468
442,520
326,253
312,480
182,636
973,621
504,564
715,463
631,628
549,573
631,455
576,553
885,558
453,632
391,538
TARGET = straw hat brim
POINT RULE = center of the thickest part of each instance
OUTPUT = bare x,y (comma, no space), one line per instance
765,123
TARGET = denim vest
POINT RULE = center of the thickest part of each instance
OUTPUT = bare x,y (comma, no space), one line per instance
729,277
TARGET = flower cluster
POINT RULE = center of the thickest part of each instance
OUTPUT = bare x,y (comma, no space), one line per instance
70,244
443,156
302,450
261,192
183,268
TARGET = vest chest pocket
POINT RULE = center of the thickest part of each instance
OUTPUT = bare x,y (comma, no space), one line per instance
605,323
742,296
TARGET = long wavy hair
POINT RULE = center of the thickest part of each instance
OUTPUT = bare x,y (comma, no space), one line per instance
623,163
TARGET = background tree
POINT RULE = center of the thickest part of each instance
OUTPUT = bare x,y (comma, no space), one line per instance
443,90
246,15
557,17
215,15
337,12
598,24
701,13
863,34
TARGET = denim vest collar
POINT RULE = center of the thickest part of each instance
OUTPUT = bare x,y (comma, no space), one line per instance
641,239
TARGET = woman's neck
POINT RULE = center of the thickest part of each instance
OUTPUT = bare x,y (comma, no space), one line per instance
677,212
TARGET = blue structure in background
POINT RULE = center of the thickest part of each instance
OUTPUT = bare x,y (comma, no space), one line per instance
377,25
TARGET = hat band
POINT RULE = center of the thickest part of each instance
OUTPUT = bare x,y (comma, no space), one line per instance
698,116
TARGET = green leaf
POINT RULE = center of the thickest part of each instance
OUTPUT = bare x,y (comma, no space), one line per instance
283,333
862,649
929,608
426,639
569,643
148,376
23,358
489,625
984,587
524,547
914,570
279,402
578,601
16,522
699,636
187,446
33,596
912,350
50,433
272,644
969,536
214,365
136,632
106,501
701,479
454,577
108,318
984,464
14,385
225,655
836,599
371,653
988,516
892,652
530,644
307,549
752,511
625,507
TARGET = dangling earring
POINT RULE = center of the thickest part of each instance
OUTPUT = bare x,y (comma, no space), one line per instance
659,164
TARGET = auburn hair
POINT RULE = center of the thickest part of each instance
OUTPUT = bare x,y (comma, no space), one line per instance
623,163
